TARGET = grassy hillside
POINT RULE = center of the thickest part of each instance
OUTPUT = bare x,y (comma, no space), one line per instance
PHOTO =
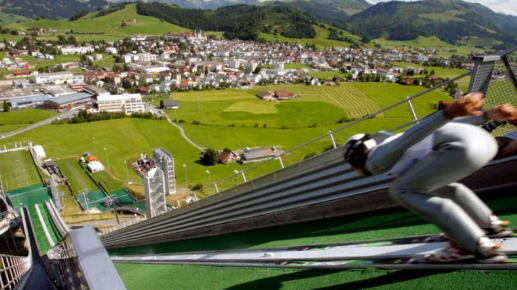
463,47
238,21
449,20
50,9
109,25
321,40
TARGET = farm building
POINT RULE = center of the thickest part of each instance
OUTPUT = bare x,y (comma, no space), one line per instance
170,104
96,91
228,156
259,154
265,95
283,95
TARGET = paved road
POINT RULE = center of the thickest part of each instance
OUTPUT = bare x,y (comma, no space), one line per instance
64,115
149,108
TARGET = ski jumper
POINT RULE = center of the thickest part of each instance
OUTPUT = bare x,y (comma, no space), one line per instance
428,160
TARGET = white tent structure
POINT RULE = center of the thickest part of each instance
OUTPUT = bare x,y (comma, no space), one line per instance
95,166
40,152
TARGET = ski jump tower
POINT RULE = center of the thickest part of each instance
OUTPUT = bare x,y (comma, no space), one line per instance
159,180
165,161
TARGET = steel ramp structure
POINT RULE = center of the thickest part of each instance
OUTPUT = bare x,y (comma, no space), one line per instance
37,278
368,254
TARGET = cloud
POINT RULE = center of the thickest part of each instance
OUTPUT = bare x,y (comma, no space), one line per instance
501,6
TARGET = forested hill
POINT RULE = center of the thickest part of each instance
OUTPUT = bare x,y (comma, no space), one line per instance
238,21
51,9
450,20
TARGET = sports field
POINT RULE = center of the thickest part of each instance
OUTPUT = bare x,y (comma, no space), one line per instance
17,170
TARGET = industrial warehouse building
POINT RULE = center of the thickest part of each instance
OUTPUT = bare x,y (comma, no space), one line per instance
67,101
28,101
128,103
57,78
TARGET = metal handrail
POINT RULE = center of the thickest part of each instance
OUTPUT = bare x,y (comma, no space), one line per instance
12,269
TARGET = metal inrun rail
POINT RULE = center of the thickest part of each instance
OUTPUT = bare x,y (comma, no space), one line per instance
346,255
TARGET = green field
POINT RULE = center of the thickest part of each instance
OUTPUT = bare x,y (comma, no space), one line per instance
26,116
107,61
293,65
445,73
327,74
17,170
321,40
317,105
58,59
78,179
109,25
10,37
125,139
107,181
445,49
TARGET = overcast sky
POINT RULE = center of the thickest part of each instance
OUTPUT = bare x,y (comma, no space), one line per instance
503,6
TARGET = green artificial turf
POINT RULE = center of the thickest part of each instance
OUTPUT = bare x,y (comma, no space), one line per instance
78,179
150,277
29,196
41,238
51,227
380,224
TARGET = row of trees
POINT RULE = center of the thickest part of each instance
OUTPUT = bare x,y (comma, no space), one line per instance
85,117
238,21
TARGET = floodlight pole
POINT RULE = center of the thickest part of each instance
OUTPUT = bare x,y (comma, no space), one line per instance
107,157
115,209
209,181
94,145
127,171
86,202
186,175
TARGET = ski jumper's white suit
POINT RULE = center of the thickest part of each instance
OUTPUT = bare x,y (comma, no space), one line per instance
427,160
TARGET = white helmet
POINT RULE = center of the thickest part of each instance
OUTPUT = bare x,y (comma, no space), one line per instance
357,149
